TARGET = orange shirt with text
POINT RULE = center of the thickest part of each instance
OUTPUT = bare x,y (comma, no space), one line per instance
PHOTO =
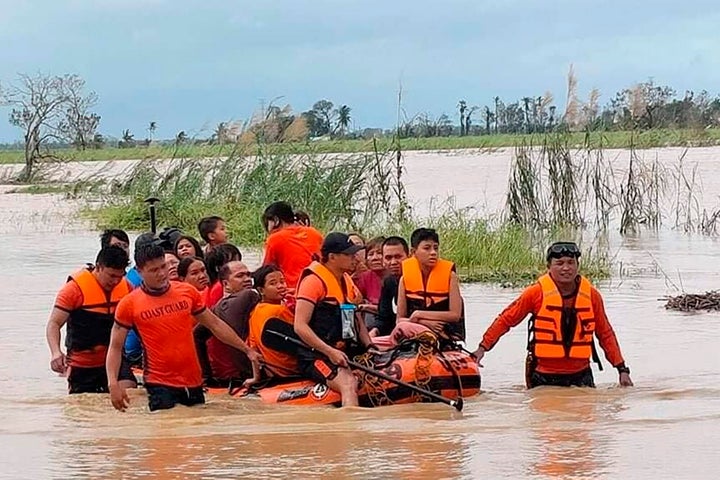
165,326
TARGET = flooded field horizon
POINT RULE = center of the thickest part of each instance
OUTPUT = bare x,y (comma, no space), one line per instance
666,426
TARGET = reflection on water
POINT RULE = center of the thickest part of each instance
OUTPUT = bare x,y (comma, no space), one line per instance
565,427
666,427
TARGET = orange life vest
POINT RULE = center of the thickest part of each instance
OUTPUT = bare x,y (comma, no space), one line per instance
433,295
89,326
279,363
326,320
546,326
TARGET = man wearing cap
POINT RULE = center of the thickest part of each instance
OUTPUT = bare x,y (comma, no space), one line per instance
325,317
567,313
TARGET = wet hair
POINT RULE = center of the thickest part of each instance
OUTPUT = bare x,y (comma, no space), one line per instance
208,225
147,253
109,234
374,243
283,212
423,234
260,275
394,240
195,244
184,265
113,256
302,218
224,272
219,256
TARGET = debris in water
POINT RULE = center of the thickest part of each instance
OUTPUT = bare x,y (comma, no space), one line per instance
690,302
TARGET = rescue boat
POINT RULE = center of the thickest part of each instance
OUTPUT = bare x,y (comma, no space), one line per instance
450,374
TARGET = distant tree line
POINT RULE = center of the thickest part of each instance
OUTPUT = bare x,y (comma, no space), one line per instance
57,111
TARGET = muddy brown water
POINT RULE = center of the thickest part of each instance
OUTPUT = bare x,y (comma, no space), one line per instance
668,426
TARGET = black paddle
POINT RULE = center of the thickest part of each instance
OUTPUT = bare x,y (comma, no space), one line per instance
272,333
151,201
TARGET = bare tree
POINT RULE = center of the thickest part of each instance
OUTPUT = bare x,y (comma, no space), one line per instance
37,107
79,123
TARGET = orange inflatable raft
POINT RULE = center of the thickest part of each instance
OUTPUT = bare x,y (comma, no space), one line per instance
451,374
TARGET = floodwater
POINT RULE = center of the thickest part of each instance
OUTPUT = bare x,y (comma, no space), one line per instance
667,426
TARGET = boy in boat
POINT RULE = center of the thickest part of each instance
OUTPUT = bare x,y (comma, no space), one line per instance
429,292
212,231
270,283
164,314
326,320
567,313
87,303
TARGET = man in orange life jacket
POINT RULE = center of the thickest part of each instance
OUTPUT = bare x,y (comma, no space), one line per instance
429,289
326,320
567,312
86,303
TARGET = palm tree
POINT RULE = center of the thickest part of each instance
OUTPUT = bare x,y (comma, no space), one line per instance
181,137
151,129
220,134
526,102
343,119
488,119
497,113
462,106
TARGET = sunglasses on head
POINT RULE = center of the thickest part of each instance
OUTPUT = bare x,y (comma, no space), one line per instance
563,249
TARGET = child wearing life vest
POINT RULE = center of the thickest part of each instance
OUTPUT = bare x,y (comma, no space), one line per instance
429,296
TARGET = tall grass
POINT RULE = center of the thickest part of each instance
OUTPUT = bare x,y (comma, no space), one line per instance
362,192
338,193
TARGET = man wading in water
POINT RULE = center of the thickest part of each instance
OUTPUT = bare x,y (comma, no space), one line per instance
164,314
567,312
86,304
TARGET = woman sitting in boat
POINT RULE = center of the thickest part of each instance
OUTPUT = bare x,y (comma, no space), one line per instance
192,270
270,283
370,281
187,246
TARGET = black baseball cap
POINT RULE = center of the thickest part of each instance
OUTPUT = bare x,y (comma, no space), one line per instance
336,242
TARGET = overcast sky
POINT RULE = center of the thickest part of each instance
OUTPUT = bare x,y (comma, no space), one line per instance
190,64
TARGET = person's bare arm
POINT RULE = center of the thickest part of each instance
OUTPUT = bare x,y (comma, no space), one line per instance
57,319
301,325
402,315
118,394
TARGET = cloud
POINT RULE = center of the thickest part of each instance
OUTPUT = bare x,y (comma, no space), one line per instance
185,63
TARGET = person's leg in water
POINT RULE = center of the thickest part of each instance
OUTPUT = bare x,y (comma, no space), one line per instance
336,378
345,383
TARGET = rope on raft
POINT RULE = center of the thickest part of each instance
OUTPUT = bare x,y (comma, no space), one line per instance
690,302
376,389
